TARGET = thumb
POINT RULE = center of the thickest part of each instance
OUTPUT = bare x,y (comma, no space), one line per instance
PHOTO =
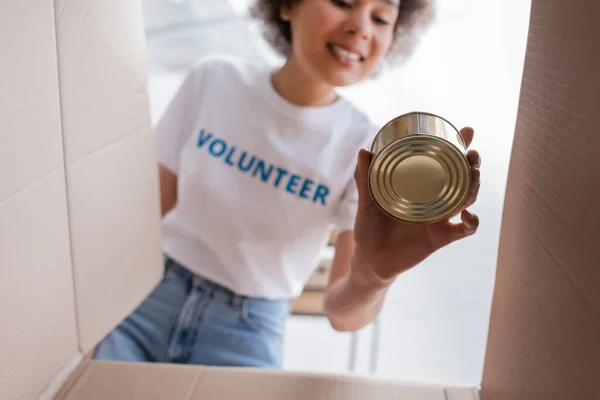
467,227
361,176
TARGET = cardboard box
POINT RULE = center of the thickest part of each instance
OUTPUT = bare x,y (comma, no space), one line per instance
80,229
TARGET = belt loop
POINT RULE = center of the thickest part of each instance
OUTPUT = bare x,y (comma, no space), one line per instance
236,300
196,282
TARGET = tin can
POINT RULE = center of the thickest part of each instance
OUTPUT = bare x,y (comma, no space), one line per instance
420,172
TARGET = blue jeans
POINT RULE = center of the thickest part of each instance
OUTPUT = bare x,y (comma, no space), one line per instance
187,319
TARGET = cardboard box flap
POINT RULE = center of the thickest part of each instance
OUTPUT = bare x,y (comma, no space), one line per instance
104,380
38,336
545,322
110,161
73,87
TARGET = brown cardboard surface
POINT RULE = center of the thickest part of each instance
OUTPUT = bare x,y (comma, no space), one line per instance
273,385
30,130
114,225
111,163
37,319
545,324
462,394
103,380
101,51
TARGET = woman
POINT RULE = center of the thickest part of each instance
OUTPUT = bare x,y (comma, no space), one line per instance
256,167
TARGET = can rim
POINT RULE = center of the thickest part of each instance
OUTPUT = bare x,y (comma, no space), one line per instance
390,122
469,181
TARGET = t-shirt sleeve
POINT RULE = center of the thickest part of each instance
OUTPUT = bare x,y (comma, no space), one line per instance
346,212
348,206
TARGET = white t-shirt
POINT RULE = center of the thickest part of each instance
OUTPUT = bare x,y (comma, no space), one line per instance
261,182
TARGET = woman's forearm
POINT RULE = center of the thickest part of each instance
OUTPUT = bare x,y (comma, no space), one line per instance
168,189
356,299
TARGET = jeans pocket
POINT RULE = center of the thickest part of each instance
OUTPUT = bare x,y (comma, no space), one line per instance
265,317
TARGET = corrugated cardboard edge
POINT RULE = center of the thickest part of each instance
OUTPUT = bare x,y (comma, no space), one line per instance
71,371
123,163
462,394
545,317
64,151
214,382
73,367
70,380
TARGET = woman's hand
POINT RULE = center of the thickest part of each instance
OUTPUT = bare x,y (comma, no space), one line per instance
387,247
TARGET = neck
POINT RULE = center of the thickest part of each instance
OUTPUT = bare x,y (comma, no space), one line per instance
299,87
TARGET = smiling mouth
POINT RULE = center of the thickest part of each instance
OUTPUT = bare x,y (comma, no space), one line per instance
345,53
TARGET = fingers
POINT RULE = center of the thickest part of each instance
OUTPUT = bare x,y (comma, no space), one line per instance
474,159
467,133
364,162
470,223
467,227
475,162
474,189
361,174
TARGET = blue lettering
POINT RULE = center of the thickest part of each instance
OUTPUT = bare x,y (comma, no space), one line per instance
306,186
264,174
246,162
321,193
221,151
203,138
228,158
281,172
293,182
241,163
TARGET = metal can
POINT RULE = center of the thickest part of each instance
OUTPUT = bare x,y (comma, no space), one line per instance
420,172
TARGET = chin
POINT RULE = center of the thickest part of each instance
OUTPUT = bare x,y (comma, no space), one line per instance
342,78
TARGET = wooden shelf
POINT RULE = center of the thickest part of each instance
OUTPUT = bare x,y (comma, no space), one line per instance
310,302
332,238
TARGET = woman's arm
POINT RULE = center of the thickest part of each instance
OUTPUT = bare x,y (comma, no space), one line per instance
168,189
351,300
368,259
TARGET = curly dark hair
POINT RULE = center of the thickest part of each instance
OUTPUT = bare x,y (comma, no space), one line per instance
413,17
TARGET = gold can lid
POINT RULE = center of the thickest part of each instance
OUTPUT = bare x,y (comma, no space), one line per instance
420,179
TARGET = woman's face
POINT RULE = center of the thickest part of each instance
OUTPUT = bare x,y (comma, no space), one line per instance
341,41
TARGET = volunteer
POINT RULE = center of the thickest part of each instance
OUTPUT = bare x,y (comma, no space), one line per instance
256,166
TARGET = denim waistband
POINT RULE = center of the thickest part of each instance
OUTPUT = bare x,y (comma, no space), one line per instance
218,292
